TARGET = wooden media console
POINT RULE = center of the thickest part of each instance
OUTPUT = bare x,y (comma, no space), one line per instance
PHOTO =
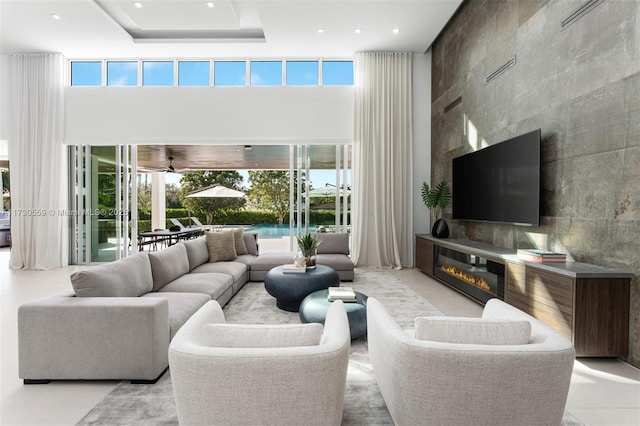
588,304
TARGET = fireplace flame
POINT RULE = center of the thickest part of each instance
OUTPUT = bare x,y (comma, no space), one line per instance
466,277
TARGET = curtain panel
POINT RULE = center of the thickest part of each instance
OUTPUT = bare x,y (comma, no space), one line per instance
37,161
382,178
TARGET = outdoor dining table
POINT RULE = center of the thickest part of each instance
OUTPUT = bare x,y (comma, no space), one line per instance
171,237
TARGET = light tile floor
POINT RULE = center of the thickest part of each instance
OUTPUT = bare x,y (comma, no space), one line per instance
603,391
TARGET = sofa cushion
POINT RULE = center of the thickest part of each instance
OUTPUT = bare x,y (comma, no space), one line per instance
128,277
251,242
211,284
241,247
475,331
221,246
168,264
235,269
197,252
247,259
267,261
339,262
260,336
332,243
181,307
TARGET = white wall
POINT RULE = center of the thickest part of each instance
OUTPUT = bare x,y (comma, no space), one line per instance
209,115
421,138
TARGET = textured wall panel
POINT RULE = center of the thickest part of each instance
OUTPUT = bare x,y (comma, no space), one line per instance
581,86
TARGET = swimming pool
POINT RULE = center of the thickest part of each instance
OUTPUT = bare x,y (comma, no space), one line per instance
269,230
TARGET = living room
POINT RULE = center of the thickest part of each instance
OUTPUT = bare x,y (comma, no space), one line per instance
578,84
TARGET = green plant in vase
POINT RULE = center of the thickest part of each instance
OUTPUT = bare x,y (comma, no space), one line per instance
308,246
436,200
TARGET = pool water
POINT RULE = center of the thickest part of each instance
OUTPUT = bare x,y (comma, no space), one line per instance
267,230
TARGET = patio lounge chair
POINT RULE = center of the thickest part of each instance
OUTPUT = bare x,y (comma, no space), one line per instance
198,223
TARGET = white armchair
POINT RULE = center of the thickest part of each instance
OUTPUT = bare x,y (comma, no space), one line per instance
443,383
226,374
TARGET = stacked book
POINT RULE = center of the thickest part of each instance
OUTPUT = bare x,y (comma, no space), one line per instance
294,269
346,294
542,256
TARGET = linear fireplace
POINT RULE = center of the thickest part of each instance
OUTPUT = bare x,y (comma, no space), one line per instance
479,278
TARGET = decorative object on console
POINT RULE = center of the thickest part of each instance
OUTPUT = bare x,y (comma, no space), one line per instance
437,199
541,256
308,246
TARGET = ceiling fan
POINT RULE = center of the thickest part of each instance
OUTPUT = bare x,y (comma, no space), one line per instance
170,168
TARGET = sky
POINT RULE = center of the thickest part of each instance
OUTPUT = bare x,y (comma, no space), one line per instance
199,73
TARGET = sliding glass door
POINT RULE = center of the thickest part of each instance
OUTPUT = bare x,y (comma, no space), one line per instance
103,203
318,184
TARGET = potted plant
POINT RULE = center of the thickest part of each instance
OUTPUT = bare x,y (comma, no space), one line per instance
308,246
437,199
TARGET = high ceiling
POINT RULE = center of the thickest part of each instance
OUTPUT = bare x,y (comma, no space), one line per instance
228,29
115,29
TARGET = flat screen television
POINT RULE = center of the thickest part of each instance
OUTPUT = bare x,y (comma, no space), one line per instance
499,183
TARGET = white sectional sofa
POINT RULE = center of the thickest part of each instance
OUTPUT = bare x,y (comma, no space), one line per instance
333,251
120,317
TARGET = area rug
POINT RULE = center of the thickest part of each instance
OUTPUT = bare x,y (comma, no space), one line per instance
130,404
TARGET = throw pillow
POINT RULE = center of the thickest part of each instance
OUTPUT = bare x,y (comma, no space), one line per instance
241,247
260,336
221,246
251,242
474,331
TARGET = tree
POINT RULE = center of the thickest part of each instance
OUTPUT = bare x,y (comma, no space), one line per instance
144,197
173,197
270,191
210,208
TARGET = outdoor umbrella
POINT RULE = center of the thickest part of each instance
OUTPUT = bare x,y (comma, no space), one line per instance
217,191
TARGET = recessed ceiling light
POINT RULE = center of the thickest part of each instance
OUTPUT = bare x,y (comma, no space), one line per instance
55,16
210,5
320,30
357,31
137,4
396,30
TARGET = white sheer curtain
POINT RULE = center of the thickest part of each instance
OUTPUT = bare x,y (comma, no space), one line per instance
37,161
382,183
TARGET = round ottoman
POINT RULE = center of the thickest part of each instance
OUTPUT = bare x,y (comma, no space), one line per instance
314,308
290,289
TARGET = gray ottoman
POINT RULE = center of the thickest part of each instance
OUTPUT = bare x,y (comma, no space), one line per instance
314,309
290,289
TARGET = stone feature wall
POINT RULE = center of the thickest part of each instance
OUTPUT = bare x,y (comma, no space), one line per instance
581,86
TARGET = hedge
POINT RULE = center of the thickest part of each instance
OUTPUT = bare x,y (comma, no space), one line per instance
240,217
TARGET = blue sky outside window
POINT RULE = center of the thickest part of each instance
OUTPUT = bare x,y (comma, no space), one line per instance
230,73
157,73
302,73
86,73
122,73
337,73
193,73
266,73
